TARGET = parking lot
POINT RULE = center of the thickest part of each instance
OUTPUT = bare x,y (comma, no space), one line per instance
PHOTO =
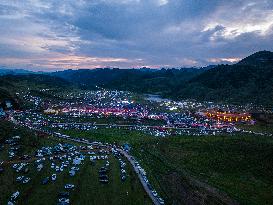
68,174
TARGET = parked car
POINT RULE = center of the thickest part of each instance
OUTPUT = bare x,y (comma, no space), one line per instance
72,173
53,177
69,186
20,178
14,196
161,201
26,180
64,200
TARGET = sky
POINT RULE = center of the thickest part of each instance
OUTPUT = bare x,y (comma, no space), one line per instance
48,35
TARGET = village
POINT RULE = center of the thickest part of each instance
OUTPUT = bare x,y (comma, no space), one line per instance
104,109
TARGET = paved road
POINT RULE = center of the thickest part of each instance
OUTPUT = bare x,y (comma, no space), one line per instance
120,125
148,191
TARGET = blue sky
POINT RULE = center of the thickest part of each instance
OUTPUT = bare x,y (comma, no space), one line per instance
56,35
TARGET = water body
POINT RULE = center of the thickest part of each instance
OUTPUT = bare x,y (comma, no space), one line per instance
155,98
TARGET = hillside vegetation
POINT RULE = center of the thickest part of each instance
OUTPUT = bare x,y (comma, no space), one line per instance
12,84
137,80
249,81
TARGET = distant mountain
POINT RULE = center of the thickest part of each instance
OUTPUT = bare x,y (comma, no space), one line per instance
5,71
248,81
138,80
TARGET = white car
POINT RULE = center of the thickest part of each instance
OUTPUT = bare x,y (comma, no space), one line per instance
20,178
15,166
69,186
26,180
40,167
53,177
161,201
154,193
75,168
14,196
72,173
64,200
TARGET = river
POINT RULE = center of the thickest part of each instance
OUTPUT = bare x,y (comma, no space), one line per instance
155,98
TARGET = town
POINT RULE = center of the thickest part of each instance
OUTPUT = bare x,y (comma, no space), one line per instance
118,109
66,116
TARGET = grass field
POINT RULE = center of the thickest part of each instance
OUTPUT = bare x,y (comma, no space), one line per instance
114,135
186,169
88,188
241,166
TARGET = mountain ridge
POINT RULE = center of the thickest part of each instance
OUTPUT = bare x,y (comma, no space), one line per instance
248,81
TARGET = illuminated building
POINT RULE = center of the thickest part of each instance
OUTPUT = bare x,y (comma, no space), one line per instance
228,116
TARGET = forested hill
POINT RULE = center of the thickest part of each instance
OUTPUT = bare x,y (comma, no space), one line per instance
140,80
250,80
11,84
262,58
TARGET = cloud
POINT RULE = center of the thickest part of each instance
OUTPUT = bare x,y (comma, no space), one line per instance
41,34
224,60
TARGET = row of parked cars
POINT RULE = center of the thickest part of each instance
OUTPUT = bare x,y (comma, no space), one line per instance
13,198
123,174
103,173
144,176
122,164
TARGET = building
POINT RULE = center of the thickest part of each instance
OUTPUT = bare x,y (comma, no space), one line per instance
228,116
50,111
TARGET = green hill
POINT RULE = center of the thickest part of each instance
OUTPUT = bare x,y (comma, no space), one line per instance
137,80
249,81
12,84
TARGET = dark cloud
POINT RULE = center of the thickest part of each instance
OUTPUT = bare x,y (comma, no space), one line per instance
131,33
